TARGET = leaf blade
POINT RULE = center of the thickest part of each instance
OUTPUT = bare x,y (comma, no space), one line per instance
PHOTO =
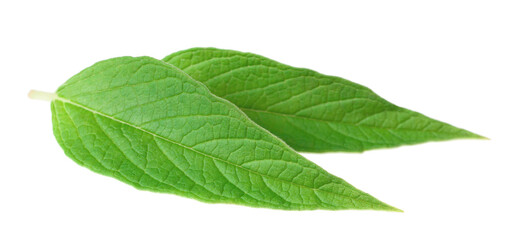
312,112
143,122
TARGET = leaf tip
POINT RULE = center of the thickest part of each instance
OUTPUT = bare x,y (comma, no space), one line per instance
390,208
477,136
482,137
396,210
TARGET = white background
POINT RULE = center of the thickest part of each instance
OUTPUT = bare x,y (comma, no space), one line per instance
456,61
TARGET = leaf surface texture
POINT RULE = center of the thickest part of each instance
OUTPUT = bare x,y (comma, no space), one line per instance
310,111
150,125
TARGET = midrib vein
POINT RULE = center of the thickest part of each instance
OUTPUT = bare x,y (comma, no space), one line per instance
58,98
337,122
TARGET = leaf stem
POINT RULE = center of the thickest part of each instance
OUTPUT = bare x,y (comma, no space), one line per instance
39,95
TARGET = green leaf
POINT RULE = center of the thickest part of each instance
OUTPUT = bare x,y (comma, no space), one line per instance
152,126
312,112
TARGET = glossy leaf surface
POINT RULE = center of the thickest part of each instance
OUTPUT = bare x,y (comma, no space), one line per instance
310,111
